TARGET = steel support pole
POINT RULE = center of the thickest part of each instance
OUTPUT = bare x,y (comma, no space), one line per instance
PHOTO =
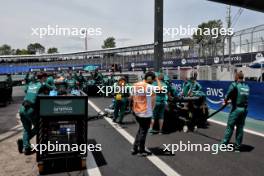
158,35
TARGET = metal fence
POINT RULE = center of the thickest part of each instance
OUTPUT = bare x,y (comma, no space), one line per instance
249,40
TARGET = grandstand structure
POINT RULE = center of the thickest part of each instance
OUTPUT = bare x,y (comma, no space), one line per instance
246,45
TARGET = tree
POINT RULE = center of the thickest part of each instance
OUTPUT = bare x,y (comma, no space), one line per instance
109,43
5,50
208,36
21,52
35,48
52,50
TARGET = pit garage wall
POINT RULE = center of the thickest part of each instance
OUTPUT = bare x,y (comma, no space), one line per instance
216,90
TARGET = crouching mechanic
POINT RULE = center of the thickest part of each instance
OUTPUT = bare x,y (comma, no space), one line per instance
143,105
27,113
120,102
238,93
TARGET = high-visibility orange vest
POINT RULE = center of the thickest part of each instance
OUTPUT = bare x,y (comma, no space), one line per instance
140,101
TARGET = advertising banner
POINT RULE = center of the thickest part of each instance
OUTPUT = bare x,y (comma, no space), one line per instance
216,91
194,61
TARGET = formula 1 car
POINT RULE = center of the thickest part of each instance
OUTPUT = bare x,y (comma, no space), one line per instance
186,113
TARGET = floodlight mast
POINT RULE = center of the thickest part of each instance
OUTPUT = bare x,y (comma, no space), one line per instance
158,35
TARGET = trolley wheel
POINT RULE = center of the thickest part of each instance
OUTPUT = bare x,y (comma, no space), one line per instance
195,128
4,103
41,168
185,128
83,163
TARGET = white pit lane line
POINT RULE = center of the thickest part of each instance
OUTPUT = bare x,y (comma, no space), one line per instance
166,169
13,130
245,130
92,168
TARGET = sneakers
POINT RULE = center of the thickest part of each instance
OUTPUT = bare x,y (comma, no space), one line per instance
20,145
134,151
161,132
152,131
28,151
144,153
237,149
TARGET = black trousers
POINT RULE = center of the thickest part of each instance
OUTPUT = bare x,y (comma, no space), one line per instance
140,139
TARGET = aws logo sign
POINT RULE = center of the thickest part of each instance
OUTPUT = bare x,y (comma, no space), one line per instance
214,95
177,86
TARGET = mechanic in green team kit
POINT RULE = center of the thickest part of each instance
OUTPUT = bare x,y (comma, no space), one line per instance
193,85
50,81
28,114
120,102
161,99
81,79
238,93
97,76
9,82
72,83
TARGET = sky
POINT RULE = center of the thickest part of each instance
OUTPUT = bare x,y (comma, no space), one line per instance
131,22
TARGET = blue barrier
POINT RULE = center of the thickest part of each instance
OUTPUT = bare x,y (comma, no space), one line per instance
19,69
216,91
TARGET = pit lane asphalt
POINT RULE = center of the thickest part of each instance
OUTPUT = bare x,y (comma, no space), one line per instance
115,158
8,113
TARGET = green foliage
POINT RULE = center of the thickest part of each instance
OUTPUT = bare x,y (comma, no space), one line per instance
34,48
5,50
212,25
52,50
109,43
21,52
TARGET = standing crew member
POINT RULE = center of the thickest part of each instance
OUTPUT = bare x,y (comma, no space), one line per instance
159,109
120,102
72,83
33,77
185,87
111,81
143,105
81,79
9,82
97,76
50,81
28,114
238,93
193,85
27,79
60,84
